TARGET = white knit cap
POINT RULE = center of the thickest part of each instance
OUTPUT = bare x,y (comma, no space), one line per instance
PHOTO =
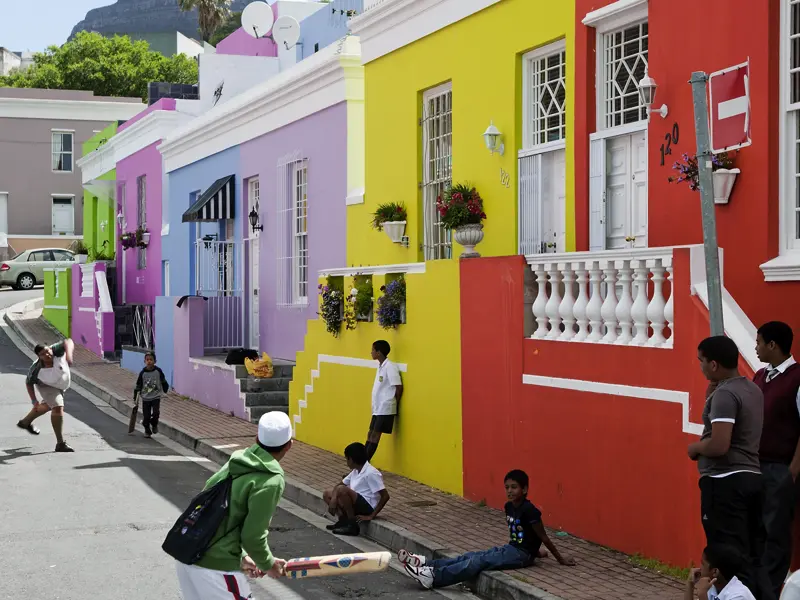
274,429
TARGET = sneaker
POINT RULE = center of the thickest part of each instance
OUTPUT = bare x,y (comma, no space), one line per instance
155,427
351,529
148,434
339,523
410,559
29,428
423,575
64,447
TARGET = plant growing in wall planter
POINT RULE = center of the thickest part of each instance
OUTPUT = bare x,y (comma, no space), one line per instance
392,305
391,218
361,297
135,239
723,172
461,210
331,306
81,252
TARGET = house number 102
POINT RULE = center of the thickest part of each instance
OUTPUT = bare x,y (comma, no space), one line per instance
505,178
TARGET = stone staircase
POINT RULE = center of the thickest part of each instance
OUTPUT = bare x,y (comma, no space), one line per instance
266,395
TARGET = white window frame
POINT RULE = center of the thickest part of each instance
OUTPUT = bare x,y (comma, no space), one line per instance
166,278
290,244
141,218
531,146
71,198
300,238
71,153
432,250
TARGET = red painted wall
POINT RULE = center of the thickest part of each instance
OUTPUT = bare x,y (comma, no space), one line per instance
700,36
609,469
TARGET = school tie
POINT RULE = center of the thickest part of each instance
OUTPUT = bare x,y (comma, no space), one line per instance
772,374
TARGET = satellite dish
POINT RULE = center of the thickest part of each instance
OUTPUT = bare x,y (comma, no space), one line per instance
257,19
286,32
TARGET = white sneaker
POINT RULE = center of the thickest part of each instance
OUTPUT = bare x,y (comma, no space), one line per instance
423,575
410,559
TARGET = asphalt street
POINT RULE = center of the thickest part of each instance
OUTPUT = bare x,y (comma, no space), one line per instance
90,524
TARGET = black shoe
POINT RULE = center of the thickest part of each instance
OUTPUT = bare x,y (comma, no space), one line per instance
339,523
155,427
63,447
148,433
351,528
29,428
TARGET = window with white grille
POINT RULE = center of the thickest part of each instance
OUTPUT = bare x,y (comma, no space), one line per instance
62,152
437,167
141,217
791,89
544,81
292,238
624,62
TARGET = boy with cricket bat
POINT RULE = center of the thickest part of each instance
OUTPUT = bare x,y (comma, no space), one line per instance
526,536
149,387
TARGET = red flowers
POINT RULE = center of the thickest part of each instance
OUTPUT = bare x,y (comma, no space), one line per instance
460,205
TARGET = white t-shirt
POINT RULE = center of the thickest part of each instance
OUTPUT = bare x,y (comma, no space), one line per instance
368,483
387,378
57,376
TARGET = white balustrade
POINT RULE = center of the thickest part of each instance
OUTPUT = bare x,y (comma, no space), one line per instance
622,297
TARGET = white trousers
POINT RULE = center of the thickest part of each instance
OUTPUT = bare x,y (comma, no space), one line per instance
197,583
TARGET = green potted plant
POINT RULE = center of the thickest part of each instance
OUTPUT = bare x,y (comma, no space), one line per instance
723,175
461,210
391,218
81,252
361,296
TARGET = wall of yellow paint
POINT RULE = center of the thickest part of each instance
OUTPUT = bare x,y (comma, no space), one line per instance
426,444
482,57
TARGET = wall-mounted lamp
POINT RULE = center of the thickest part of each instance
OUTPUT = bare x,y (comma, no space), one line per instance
492,137
647,92
120,220
254,220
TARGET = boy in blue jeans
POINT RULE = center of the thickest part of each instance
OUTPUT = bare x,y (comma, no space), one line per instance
526,536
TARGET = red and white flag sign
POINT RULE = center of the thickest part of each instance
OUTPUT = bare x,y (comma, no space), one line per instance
729,105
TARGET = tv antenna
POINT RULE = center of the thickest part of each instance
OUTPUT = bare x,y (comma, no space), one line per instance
259,22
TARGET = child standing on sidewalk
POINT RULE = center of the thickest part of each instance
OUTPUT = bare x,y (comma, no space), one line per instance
149,387
386,393
526,536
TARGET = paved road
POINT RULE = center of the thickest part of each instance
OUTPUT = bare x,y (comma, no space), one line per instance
90,524
9,297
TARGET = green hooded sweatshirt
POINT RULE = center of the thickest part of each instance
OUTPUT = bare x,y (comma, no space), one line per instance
255,494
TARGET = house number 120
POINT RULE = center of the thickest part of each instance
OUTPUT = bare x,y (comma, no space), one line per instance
505,178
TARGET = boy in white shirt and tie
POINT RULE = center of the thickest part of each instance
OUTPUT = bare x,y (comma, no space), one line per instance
386,393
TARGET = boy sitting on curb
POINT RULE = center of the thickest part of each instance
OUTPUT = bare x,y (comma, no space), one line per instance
526,536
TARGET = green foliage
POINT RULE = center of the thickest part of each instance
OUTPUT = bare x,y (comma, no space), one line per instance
106,66
652,564
387,213
363,296
212,14
460,204
102,254
78,247
233,23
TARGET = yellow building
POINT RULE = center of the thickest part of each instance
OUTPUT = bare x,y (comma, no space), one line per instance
434,82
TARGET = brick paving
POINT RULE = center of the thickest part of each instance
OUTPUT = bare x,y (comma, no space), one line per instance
448,521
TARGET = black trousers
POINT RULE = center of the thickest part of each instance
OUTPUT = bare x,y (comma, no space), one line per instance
732,513
780,495
151,411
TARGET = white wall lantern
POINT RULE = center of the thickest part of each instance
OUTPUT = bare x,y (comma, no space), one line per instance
647,92
492,137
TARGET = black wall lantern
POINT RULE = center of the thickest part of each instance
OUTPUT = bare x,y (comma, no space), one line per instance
254,220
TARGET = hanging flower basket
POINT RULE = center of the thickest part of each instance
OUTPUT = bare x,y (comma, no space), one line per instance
724,179
723,175
135,239
391,218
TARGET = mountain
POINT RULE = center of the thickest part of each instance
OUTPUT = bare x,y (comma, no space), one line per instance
144,16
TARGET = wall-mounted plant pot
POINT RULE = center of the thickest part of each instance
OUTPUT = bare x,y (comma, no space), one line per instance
395,230
81,258
723,184
145,239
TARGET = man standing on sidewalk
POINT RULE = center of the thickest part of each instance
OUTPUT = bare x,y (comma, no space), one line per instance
780,450
50,375
731,492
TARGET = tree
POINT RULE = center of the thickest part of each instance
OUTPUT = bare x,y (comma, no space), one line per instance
106,66
211,13
233,23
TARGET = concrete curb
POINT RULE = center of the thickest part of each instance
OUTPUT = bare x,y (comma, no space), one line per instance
493,585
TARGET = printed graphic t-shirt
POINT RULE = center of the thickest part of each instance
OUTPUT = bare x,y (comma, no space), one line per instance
57,376
521,520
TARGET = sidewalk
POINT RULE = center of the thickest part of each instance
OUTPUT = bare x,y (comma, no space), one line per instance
417,517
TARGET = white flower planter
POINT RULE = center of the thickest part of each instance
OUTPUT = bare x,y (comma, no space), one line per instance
146,239
395,230
81,258
469,236
723,184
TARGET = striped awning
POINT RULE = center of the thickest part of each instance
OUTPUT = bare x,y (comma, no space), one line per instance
216,203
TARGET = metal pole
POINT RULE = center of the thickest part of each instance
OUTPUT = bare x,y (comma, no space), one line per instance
710,246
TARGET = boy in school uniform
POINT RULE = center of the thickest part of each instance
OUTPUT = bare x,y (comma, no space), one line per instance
386,393
149,387
526,536
717,577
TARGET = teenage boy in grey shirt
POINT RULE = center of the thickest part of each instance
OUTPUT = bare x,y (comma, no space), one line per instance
727,457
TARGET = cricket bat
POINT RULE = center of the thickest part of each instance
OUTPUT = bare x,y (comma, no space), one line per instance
134,413
337,564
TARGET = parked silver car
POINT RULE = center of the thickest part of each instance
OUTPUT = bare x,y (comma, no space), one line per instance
26,269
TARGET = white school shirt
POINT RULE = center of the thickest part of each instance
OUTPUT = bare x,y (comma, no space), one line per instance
387,377
780,370
735,590
368,483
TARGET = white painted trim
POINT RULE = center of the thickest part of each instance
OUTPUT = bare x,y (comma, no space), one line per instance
355,197
211,363
529,148
628,129
626,391
55,269
325,79
69,110
53,307
393,24
785,267
788,248
413,268
615,15
57,130
150,129
346,361
62,195
86,308
45,237
542,149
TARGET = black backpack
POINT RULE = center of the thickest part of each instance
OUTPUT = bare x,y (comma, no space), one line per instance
191,535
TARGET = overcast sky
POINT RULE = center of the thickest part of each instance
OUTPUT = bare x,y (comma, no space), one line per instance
36,24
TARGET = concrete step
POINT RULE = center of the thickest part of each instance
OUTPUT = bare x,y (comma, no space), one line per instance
251,384
257,412
282,370
267,399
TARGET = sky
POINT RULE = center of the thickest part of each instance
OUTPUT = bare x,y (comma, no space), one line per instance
42,22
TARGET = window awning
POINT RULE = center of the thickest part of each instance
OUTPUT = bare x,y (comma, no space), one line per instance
216,203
